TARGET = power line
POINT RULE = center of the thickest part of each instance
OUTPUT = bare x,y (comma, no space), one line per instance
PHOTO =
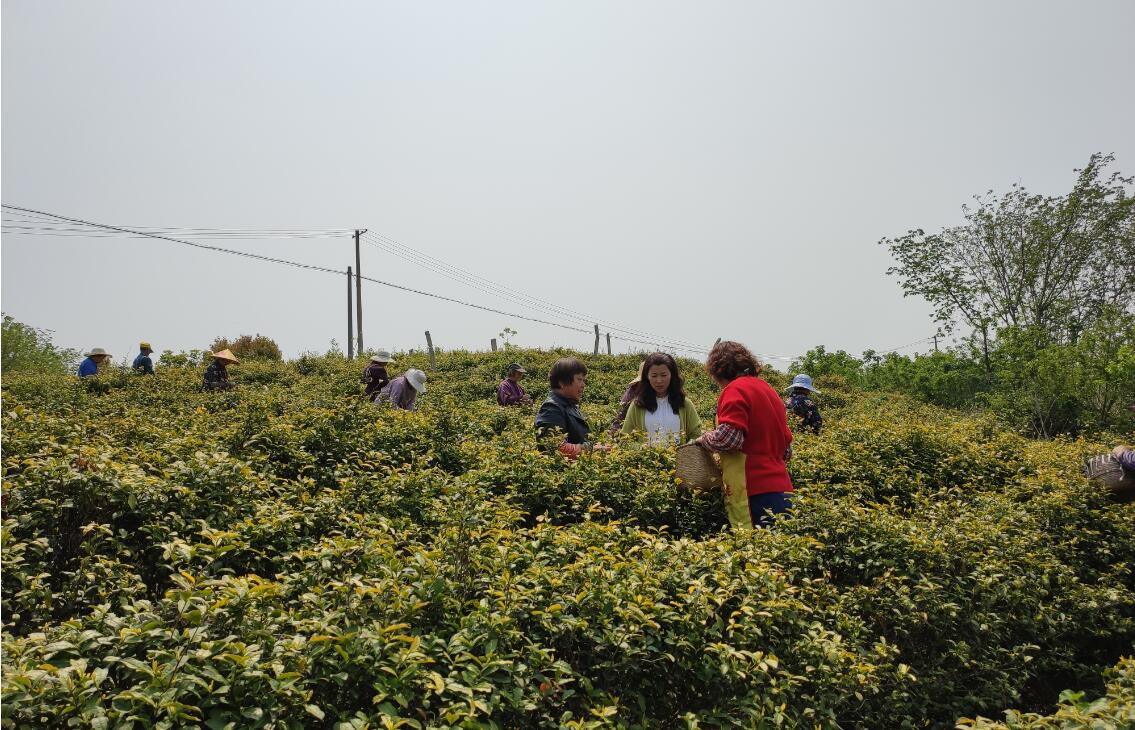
286,262
491,287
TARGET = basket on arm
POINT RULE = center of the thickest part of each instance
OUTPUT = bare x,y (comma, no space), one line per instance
696,467
1107,470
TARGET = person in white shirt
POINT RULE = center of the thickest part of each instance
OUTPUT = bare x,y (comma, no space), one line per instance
661,410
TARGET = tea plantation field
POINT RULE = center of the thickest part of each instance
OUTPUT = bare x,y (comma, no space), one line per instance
286,555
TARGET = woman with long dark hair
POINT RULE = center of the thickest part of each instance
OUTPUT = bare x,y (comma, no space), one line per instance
752,437
661,409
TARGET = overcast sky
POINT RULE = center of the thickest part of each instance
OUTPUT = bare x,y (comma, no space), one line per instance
690,170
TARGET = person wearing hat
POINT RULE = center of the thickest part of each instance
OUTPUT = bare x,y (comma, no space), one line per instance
217,374
375,375
509,392
143,364
94,359
801,405
402,392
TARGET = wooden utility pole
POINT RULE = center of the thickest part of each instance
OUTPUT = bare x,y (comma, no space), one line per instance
935,343
596,351
430,345
608,343
350,320
359,288
493,342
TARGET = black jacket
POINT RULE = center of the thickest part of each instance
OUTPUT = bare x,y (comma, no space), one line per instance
558,413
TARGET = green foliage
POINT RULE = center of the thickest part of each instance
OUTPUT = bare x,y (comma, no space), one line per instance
1116,709
27,348
288,555
1032,261
249,347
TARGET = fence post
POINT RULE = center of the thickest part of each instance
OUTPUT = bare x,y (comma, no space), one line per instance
608,343
596,350
350,320
430,345
493,342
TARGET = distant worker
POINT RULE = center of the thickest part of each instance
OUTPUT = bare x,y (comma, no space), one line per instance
801,405
375,375
217,374
403,391
509,392
143,364
93,362
625,403
560,414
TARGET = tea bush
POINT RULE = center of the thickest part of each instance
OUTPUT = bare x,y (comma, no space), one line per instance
288,555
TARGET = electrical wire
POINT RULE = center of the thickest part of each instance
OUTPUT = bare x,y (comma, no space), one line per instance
28,221
493,288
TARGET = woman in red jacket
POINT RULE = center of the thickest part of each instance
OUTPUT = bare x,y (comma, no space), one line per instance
752,437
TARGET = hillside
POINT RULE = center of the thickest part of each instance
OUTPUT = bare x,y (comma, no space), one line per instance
288,555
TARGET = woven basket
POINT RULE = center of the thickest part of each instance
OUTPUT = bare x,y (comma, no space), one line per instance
696,467
1107,470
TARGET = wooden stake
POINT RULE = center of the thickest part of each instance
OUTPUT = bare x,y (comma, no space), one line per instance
430,345
350,320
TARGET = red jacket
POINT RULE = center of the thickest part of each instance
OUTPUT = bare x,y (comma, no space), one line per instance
751,405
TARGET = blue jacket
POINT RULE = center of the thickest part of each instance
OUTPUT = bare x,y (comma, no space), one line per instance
143,364
88,368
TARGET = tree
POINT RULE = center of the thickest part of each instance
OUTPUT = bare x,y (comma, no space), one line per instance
249,347
28,348
1030,261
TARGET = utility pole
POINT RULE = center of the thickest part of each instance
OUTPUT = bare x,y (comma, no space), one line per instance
596,350
935,343
350,320
608,343
359,288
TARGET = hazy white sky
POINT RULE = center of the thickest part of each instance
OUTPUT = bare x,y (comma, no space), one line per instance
693,170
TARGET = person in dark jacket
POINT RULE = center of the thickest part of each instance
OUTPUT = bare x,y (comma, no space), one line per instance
143,364
801,405
375,375
560,415
217,374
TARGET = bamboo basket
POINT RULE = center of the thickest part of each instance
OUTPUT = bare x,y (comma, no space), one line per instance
1107,470
696,467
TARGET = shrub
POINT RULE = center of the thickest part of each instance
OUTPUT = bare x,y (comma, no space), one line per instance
250,347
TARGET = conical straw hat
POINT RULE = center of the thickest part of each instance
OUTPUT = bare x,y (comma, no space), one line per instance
227,355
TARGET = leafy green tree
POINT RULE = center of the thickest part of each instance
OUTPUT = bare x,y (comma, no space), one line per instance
1025,260
28,348
252,348
818,362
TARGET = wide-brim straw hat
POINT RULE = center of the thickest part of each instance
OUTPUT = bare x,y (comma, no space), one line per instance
382,356
227,356
417,379
515,368
143,345
96,351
